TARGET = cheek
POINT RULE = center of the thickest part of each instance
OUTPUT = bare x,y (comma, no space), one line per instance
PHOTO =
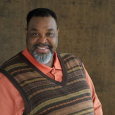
55,43
31,42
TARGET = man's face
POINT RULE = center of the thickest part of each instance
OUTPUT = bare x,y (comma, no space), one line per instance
42,36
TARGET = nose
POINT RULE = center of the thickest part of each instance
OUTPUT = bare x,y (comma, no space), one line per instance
42,39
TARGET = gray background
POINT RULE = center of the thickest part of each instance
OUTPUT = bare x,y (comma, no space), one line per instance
86,30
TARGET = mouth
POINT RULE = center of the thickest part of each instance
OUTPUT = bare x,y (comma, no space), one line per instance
42,49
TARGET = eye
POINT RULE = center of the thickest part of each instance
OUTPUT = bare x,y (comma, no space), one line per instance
50,34
35,34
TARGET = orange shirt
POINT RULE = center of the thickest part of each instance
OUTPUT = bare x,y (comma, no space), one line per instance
54,73
11,102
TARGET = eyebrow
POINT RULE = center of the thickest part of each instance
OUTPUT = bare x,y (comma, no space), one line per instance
34,29
51,29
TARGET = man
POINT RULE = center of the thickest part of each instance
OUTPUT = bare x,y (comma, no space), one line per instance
40,80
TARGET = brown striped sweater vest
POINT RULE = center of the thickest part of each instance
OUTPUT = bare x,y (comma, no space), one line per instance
45,96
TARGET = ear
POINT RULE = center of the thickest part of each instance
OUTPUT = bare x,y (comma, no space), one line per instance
57,31
26,31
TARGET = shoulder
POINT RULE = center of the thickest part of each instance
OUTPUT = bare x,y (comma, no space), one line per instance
12,60
69,57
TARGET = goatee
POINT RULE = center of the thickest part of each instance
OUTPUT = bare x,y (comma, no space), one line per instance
42,58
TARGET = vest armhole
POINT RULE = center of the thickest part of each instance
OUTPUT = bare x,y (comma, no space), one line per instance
15,83
81,65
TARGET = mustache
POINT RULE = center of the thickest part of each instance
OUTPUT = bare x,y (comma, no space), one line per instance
40,44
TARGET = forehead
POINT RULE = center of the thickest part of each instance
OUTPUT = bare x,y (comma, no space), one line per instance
42,22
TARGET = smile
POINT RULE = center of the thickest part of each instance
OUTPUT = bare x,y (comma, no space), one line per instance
41,47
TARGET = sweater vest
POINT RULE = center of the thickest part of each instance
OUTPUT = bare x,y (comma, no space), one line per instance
45,96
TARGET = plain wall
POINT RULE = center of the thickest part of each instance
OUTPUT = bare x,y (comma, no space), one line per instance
86,29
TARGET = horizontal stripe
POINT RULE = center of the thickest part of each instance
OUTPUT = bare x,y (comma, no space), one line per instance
19,70
72,109
43,90
15,66
54,88
10,60
75,81
50,101
27,76
63,54
56,93
75,75
32,80
90,110
74,69
69,57
72,63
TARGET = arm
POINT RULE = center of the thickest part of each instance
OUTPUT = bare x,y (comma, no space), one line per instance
11,102
96,102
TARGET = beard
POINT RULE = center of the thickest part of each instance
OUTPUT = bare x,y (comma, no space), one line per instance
42,58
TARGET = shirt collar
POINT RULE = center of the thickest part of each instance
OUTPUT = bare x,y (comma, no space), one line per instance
45,69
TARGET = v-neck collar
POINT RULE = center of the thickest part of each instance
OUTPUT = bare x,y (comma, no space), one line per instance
64,71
